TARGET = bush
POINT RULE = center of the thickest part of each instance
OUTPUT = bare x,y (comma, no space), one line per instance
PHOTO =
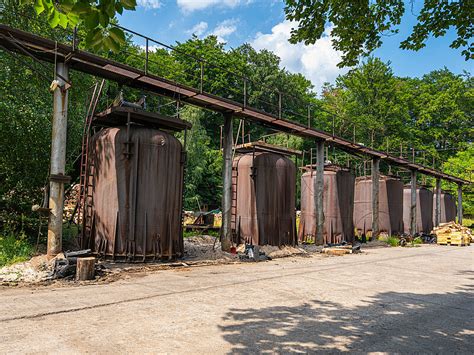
393,241
14,249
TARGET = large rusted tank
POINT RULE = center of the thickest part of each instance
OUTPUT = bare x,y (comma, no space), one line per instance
424,210
448,207
263,205
133,212
338,206
390,205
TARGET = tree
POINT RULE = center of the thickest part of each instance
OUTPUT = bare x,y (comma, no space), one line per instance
360,25
462,165
95,16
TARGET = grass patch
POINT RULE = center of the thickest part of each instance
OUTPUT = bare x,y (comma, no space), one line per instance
467,222
393,241
14,248
212,233
417,241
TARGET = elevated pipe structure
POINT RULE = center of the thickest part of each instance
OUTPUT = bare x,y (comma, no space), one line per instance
49,50
44,49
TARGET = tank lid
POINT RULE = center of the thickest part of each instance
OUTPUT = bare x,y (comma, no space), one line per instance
117,116
260,146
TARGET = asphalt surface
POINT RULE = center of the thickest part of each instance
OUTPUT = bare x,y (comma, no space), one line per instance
384,300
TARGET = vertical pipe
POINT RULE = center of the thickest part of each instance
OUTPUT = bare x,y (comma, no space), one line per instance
413,203
375,197
58,162
319,188
460,203
438,202
226,232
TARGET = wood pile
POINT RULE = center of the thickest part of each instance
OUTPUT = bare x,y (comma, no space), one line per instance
452,233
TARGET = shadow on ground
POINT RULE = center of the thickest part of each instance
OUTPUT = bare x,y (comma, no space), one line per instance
391,321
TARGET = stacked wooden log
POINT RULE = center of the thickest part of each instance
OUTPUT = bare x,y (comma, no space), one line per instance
452,233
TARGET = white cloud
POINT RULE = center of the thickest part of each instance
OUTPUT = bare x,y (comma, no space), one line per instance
193,5
317,62
151,48
225,29
149,4
198,29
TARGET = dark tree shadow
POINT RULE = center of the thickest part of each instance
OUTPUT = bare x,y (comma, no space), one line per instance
388,322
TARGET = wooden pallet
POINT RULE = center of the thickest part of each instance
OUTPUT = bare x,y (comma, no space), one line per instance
455,244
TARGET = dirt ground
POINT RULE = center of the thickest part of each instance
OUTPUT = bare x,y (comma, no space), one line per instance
383,300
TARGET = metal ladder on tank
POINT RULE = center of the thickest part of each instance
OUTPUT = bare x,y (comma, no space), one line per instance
86,172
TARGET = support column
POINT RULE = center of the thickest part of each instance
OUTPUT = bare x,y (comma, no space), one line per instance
319,189
438,203
413,203
460,203
375,197
58,162
226,232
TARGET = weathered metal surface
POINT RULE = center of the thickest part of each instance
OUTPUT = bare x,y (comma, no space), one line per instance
338,206
424,210
447,207
264,199
135,200
49,50
390,205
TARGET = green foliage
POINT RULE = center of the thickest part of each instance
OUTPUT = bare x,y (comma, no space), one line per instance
94,16
417,241
25,127
358,26
393,241
14,249
462,165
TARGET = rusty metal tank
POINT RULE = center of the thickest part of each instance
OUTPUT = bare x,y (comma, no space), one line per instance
133,212
263,204
338,205
448,207
424,209
390,205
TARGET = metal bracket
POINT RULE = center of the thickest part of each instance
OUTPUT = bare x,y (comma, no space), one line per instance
60,178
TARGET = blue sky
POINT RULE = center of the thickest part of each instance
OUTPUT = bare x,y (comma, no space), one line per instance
262,23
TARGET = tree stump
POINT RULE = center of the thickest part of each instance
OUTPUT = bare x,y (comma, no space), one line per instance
85,269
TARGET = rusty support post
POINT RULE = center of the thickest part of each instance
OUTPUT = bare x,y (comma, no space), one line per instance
460,203
226,232
438,203
375,197
319,188
58,162
413,203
